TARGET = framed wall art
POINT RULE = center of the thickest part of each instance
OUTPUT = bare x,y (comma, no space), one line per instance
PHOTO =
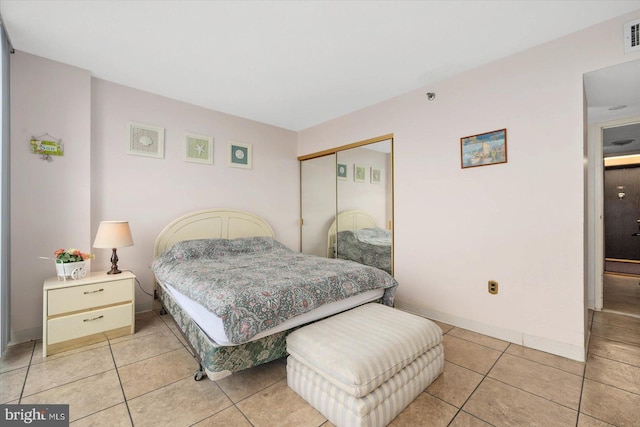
484,149
239,155
342,171
375,175
145,140
359,173
198,148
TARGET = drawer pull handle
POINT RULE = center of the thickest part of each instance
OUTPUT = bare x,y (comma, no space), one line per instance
91,320
93,292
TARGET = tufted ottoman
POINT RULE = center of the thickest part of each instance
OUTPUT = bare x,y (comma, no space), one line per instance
364,366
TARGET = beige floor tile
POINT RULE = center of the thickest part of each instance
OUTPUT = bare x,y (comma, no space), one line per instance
466,420
144,347
477,338
173,326
16,356
616,333
469,355
182,403
444,326
230,417
116,416
562,363
85,397
614,350
615,319
285,408
63,370
455,384
610,404
587,421
250,381
621,293
146,325
617,374
503,405
37,355
425,410
11,383
154,372
542,380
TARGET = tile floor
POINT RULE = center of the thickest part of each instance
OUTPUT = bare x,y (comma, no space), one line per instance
622,293
147,380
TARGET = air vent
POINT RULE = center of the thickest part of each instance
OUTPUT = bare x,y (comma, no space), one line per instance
632,36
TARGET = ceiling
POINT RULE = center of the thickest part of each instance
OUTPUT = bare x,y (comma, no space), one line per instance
286,63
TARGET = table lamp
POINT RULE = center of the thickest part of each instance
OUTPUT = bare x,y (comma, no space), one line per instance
113,234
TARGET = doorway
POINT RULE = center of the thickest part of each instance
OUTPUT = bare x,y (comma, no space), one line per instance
612,102
621,201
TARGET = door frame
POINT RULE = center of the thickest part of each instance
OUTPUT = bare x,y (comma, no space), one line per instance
595,236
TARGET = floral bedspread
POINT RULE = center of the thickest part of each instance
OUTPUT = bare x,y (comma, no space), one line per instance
253,284
369,246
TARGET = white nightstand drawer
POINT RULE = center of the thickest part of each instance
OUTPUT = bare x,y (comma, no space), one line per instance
87,323
76,298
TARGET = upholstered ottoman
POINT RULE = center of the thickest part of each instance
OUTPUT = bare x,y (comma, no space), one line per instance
364,366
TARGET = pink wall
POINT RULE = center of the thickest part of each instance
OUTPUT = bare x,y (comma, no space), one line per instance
520,223
60,204
49,201
150,192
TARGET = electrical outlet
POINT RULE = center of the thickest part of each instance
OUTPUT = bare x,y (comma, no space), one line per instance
493,287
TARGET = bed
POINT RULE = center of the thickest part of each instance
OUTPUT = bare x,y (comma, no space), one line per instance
235,292
355,236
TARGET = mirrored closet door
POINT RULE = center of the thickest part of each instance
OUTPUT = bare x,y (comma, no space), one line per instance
347,203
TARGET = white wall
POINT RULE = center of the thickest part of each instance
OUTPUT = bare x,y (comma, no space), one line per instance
60,204
49,200
520,223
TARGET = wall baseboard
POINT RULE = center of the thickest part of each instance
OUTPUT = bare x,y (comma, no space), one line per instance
517,337
26,335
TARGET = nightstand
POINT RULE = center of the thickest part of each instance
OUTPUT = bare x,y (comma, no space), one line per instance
81,312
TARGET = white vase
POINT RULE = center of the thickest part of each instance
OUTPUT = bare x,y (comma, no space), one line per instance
71,270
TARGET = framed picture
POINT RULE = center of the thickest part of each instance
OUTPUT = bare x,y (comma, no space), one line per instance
342,171
375,175
240,155
359,173
198,148
484,149
145,140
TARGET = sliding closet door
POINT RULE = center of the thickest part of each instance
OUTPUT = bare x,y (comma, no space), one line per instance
318,203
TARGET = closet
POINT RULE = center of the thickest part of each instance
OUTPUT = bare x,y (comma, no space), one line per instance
347,202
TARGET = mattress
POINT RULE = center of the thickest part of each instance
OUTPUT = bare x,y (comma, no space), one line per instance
212,325
254,284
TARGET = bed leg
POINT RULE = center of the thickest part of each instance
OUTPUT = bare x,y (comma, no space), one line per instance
199,374
163,311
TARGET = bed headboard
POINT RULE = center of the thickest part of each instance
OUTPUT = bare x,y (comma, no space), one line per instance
211,224
347,220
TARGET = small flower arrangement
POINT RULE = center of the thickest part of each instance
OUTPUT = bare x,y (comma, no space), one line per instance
64,256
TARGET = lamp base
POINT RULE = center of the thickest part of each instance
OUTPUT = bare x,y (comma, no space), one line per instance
114,263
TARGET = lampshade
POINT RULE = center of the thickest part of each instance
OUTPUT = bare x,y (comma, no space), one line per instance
113,234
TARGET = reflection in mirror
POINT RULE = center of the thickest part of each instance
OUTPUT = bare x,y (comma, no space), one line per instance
362,230
318,202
